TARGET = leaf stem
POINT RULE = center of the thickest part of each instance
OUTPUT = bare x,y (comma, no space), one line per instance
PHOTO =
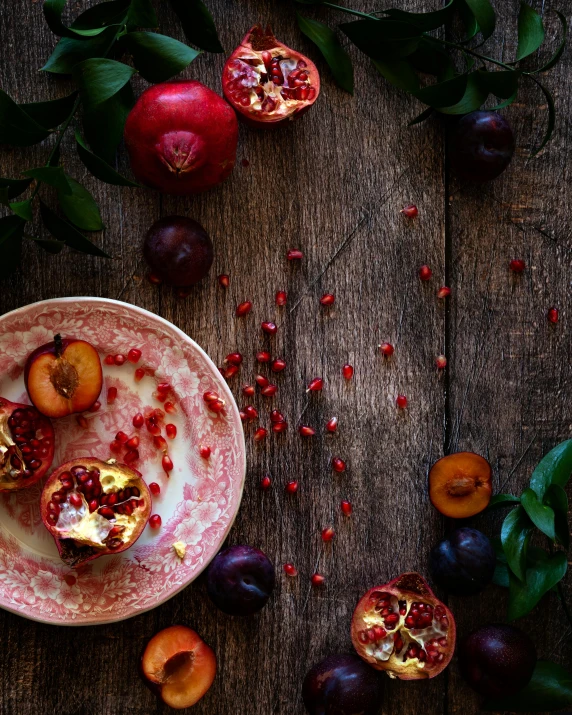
349,10
462,48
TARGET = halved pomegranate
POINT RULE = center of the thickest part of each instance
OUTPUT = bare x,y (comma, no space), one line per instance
26,445
268,83
403,629
94,508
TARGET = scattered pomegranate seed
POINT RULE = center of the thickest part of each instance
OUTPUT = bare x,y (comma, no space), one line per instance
153,278
328,299
261,381
441,362
95,407
139,374
281,297
346,507
230,371
317,579
328,533
131,456
111,395
269,391
401,401
290,570
248,390
278,365
155,489
171,430
263,356
115,446
347,371
163,388
265,482
316,385
443,292
160,442
119,359
306,431
425,273
269,327
224,280
82,422
332,424
260,434
121,437
517,265
213,401
386,349
155,521
280,426
294,254
251,412
243,308
553,315
276,416
338,465
132,442
205,451
167,463
170,408
134,355
234,358
292,487
410,211
138,420
109,360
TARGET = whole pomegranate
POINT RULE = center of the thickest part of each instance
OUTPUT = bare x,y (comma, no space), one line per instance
267,82
181,138
402,628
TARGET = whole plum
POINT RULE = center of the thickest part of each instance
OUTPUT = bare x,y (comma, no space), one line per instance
464,563
482,146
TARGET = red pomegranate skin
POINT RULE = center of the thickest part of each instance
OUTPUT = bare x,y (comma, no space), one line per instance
181,138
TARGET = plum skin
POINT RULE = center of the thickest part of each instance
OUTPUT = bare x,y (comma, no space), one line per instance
342,685
240,580
178,250
482,146
464,563
497,660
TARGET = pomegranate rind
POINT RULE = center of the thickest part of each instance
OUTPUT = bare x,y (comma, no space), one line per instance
460,485
410,587
256,41
131,477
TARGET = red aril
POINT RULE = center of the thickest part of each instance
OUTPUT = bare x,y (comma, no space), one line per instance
332,424
278,365
281,298
224,280
134,355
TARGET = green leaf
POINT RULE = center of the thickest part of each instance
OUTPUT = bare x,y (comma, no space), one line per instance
198,24
16,127
558,54
473,98
515,535
337,58
484,15
384,39
444,94
52,113
99,79
421,117
4,198
503,83
101,16
80,207
530,31
501,575
11,230
69,51
430,58
142,14
15,186
425,21
53,176
499,500
158,57
53,13
400,73
506,102
551,117
99,167
542,516
103,125
63,231
557,499
468,19
554,468
549,689
23,209
47,244
543,573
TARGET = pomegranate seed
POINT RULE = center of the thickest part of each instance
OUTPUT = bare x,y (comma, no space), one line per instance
224,280
134,355
338,465
82,422
170,408
316,385
269,327
205,451
167,463
261,381
171,430
386,349
251,412
213,401
155,489
248,390
243,308
121,437
139,374
410,211
95,407
269,391
115,447
292,487
281,297
132,442
276,416
155,521
160,442
263,356
294,254
230,372
517,265
260,434
401,401
154,278
234,358
131,456
138,420
278,365
553,315
327,299
109,360
317,579
93,504
425,273
119,359
163,388
265,482
306,431
328,533
347,371
332,425
111,395
290,570
441,362
280,426
346,507
75,500
443,292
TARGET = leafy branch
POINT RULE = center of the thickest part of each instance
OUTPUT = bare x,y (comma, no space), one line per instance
90,49
404,49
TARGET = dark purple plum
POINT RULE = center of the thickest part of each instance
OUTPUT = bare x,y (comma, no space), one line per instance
464,563
240,580
342,685
497,660
178,250
482,146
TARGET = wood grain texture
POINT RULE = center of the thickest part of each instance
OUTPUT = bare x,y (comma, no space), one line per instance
332,185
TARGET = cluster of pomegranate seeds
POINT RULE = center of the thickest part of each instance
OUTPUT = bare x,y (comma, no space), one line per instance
386,349
443,292
213,401
425,273
401,401
347,371
306,431
441,362
553,315
111,395
269,327
292,487
265,482
410,211
281,298
332,424
155,489
155,521
243,308
224,280
317,579
517,265
290,569
338,465
327,299
316,385
328,533
205,451
346,507
294,254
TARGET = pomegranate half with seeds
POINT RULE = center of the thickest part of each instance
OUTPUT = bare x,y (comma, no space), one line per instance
268,83
94,508
403,629
26,445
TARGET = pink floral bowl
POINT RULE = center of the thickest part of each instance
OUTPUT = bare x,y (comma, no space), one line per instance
198,501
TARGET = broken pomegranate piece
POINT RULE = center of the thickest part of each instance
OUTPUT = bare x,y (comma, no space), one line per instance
63,377
178,666
94,508
268,83
26,445
403,629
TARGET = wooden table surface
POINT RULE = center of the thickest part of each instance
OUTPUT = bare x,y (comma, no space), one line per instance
331,184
